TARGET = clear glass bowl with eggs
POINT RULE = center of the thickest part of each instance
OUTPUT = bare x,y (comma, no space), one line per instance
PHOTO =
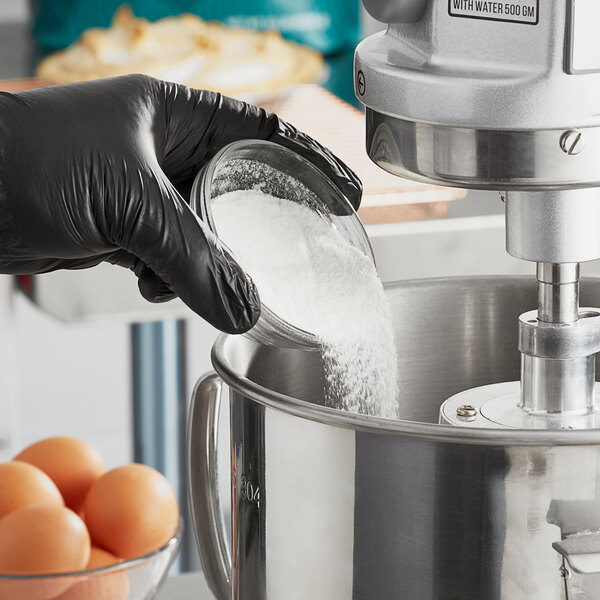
135,579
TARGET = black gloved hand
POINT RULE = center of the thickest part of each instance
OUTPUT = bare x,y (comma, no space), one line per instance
89,172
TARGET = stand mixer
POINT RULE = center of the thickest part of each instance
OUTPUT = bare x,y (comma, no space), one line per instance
485,487
504,96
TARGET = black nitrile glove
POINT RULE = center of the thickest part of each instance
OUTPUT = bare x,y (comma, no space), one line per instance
89,172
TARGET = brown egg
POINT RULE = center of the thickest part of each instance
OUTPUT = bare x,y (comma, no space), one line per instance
41,539
100,586
22,485
101,558
131,511
39,589
71,463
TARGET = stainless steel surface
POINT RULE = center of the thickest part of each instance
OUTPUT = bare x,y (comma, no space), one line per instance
499,405
558,292
489,158
581,568
478,398
407,11
572,340
202,476
553,227
581,551
561,273
333,505
559,366
557,383
557,229
558,386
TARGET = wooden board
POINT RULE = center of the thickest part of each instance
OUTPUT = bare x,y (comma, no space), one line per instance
17,85
340,127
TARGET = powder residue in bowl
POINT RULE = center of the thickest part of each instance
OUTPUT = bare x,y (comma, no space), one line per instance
311,277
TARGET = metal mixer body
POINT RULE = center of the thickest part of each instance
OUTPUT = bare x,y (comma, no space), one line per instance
332,505
502,95
463,98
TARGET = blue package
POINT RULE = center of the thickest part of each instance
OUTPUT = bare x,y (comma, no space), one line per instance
329,26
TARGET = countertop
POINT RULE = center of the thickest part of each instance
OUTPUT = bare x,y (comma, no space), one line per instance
190,586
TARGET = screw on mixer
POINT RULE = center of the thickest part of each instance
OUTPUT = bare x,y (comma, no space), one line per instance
466,412
572,142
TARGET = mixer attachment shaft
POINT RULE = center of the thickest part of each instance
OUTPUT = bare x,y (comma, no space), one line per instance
558,292
557,385
559,340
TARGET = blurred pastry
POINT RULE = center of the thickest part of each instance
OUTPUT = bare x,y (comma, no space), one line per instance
186,49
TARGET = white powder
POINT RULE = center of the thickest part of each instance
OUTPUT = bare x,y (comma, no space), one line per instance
307,274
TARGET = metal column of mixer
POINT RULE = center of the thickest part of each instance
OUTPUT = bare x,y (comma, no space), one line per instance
557,230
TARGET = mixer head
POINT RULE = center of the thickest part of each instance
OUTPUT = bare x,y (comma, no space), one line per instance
504,95
494,95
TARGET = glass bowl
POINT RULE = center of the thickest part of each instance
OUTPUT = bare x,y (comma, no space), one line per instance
280,172
136,579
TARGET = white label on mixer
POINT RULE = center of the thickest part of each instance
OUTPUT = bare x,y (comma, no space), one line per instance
512,11
584,47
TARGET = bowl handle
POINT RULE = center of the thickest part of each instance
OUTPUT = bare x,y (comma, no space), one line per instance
205,506
581,564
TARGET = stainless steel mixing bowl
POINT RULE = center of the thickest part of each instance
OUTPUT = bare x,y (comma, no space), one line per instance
329,505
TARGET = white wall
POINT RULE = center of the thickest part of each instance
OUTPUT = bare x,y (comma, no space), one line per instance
14,10
72,380
9,423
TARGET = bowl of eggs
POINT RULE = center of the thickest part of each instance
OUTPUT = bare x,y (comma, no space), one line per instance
70,530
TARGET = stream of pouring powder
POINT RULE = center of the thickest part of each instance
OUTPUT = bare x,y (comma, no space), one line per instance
307,274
